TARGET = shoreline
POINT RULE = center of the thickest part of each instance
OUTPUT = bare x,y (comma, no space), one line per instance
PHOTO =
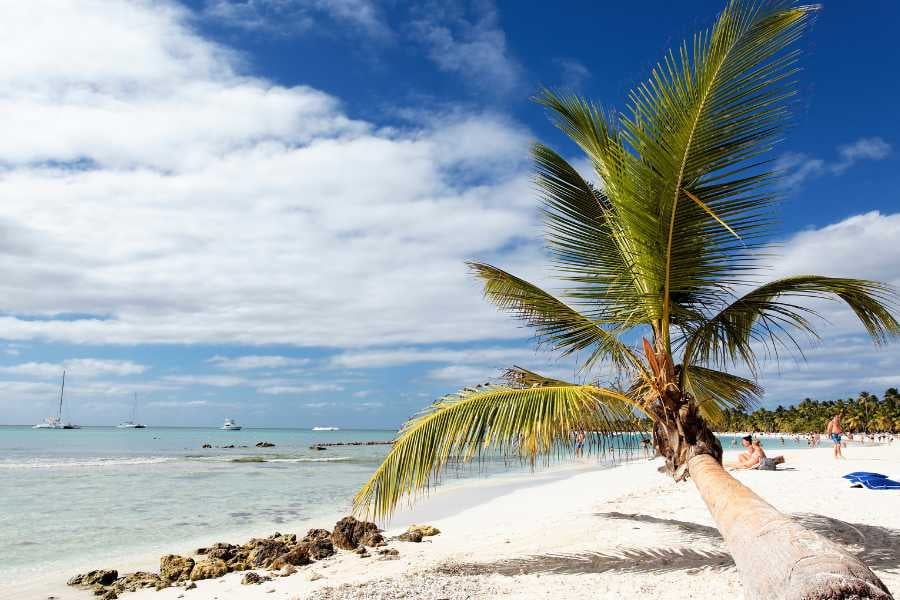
575,519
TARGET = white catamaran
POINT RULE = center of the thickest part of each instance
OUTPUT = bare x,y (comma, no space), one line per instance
57,422
132,424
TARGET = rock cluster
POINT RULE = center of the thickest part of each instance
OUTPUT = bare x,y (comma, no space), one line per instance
323,445
280,553
265,445
415,533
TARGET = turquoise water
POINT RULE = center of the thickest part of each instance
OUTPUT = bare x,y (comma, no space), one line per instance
95,495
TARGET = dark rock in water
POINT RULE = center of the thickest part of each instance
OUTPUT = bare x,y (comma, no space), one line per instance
349,534
318,543
208,569
296,556
206,446
265,445
252,578
97,577
175,568
318,448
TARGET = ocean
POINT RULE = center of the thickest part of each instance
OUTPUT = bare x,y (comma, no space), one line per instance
95,496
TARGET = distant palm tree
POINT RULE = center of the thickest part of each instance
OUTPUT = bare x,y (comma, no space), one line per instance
654,256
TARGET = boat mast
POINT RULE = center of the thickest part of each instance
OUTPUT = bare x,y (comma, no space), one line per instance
61,390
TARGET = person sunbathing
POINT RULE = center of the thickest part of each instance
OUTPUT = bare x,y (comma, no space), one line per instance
745,459
763,462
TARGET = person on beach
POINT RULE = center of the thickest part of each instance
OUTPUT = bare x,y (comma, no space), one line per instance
763,462
835,430
579,444
745,459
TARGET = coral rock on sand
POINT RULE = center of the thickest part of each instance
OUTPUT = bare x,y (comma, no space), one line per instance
208,569
252,578
296,556
425,530
100,576
264,552
175,568
318,543
349,534
136,581
287,570
410,536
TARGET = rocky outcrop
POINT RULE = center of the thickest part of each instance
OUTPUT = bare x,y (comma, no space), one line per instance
296,556
253,578
98,577
175,568
350,533
415,533
318,543
265,445
208,569
282,553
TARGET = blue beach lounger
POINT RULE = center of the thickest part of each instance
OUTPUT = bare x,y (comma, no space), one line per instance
873,481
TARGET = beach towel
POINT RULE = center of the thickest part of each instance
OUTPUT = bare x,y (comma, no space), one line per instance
873,481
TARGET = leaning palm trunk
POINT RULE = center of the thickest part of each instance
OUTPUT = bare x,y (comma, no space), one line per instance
652,253
775,555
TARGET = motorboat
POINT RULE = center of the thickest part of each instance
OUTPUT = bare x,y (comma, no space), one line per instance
231,425
326,429
57,422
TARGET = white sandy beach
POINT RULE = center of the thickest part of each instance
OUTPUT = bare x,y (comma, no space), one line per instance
608,533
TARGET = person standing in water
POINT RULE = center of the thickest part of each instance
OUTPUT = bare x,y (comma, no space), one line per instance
835,430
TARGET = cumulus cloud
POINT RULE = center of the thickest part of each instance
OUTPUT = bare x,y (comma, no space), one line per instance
298,16
308,388
799,167
251,362
178,199
469,43
84,368
844,360
222,381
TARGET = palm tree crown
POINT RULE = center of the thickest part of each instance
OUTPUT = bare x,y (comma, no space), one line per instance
660,259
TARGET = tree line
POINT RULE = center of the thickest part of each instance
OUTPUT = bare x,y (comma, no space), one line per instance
864,413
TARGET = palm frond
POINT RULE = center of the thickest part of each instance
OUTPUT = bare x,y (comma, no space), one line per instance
764,316
588,242
514,421
700,124
717,391
555,323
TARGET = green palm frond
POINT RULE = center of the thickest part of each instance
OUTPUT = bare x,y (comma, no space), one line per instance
523,378
701,123
763,316
717,391
555,323
588,242
515,422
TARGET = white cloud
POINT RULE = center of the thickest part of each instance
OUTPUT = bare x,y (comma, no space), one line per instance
308,388
182,200
799,167
297,16
472,46
844,361
251,361
223,381
378,358
572,74
83,368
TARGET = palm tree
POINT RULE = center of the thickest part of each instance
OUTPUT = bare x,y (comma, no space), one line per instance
659,258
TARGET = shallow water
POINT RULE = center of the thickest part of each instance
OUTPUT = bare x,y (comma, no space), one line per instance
95,495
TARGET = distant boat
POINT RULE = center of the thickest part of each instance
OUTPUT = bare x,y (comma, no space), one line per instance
57,422
231,425
326,429
132,424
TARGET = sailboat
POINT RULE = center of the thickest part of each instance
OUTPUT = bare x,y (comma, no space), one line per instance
57,422
132,424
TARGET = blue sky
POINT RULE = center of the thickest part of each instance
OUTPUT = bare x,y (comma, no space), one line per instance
261,208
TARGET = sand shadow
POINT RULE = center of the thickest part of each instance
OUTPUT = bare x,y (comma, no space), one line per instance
878,547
